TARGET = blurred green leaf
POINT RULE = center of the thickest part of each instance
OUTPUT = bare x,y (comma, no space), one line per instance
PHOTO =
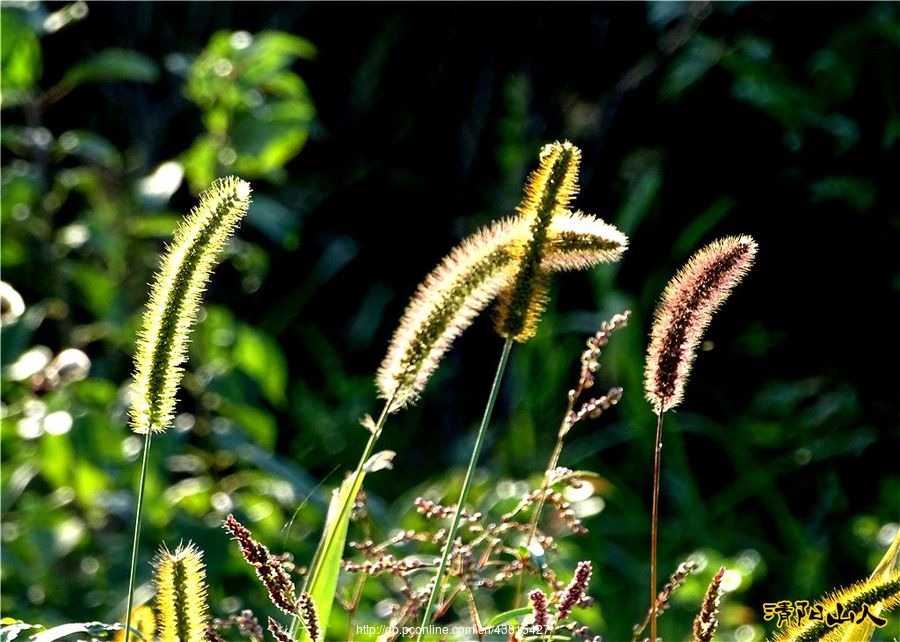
256,423
858,193
97,288
20,58
695,231
201,162
256,110
153,225
112,65
699,56
276,221
259,356
507,616
266,142
89,146
326,566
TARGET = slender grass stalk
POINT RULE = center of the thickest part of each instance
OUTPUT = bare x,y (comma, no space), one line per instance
590,362
327,542
654,523
685,309
137,533
467,484
169,317
545,484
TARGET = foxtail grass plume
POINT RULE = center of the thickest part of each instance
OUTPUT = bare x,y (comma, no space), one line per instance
876,596
175,298
578,241
443,306
684,311
548,192
544,238
181,594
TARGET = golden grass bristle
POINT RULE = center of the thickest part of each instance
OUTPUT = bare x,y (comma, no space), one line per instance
180,580
175,299
548,192
444,305
510,260
578,241
882,592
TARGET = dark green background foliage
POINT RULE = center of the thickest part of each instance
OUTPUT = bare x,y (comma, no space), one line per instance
376,136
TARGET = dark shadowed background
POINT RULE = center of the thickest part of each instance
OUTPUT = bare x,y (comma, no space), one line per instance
377,140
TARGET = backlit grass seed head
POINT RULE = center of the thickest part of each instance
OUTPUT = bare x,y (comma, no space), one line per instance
443,306
511,260
881,595
548,192
578,241
684,311
175,298
181,594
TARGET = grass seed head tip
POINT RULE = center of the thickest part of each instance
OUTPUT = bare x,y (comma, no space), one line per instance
684,311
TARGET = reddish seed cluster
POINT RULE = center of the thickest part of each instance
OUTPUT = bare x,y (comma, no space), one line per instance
433,510
707,621
538,609
584,633
277,632
212,635
590,358
565,512
245,622
594,407
309,616
576,589
268,568
384,563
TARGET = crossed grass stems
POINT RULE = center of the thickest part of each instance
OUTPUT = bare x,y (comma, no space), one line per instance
510,262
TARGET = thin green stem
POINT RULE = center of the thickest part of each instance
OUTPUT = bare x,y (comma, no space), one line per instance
654,524
325,545
467,484
137,533
564,429
536,516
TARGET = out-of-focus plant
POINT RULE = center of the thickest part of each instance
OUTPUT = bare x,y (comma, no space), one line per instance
256,111
83,220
